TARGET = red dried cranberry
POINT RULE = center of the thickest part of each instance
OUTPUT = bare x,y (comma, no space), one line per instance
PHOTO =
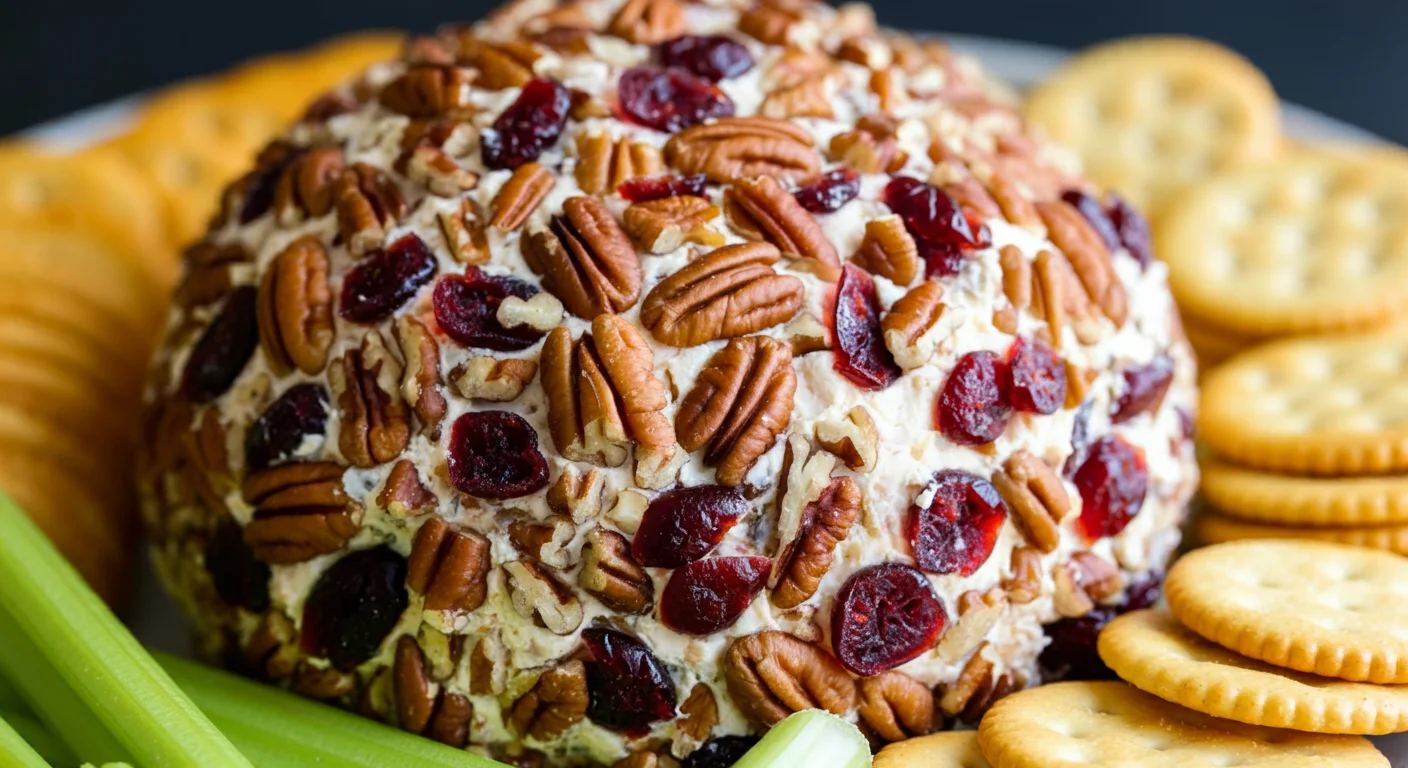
224,349
861,354
721,752
1144,388
1036,376
956,532
239,577
709,595
646,188
628,688
299,412
831,191
1112,482
258,185
685,524
531,124
1133,230
1071,652
1186,425
712,57
494,455
884,615
1094,213
1080,439
386,279
467,306
669,99
930,214
973,407
353,605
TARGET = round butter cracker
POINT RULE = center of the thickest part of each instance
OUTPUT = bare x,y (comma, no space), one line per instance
1304,501
948,749
1210,527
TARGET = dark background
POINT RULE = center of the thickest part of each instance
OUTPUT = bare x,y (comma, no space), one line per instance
1347,59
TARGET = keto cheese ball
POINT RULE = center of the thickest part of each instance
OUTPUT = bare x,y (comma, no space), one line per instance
606,381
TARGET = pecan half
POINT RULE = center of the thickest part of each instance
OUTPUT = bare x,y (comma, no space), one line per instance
772,674
375,421
1015,205
888,251
729,292
208,276
896,707
544,541
700,713
428,90
538,595
305,188
500,65
809,528
556,702
760,209
664,225
1017,281
738,406
736,148
449,566
421,706
1037,498
438,172
294,308
323,683
1059,298
586,259
648,21
978,613
577,494
611,575
977,676
1099,578
1024,585
300,512
604,165
768,24
368,204
809,98
492,379
1088,255
520,196
855,440
464,232
403,494
488,665
915,326
420,381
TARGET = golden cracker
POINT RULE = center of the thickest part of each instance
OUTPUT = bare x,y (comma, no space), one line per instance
1210,527
1329,406
84,268
1156,654
948,749
285,84
1111,723
1304,501
49,392
1328,609
1151,115
1213,346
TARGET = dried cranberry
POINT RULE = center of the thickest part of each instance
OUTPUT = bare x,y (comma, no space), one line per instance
1112,482
494,455
884,615
239,577
709,595
353,606
646,188
1036,377
1094,213
861,354
973,407
930,214
712,57
685,524
1144,388
1133,230
669,99
956,532
258,185
721,752
628,688
386,279
467,306
1080,439
300,412
1071,653
531,124
1186,426
224,349
830,192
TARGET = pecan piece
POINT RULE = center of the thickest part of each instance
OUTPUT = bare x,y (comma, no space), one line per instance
1098,577
449,566
538,595
1037,498
1024,585
915,326
856,440
375,421
1017,281
1015,205
428,90
603,165
464,232
1068,598
1089,257
760,209
520,196
300,511
1058,297
700,713
368,204
648,21
434,169
772,674
978,613
888,251
556,702
542,313
294,308
977,676
871,147
403,494
736,148
768,23
808,98
544,541
729,292
664,225
272,649
611,575
420,382
208,272
420,707
896,707
816,514
577,494
586,259
492,379
305,188
488,665
740,403
323,683
500,65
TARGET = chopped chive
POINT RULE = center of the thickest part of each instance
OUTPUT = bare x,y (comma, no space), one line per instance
16,751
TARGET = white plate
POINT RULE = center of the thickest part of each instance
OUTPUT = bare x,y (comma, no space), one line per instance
155,619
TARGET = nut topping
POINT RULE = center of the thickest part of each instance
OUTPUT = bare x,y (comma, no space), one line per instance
464,232
434,169
546,541
896,707
1099,578
555,703
611,575
603,165
500,65
772,674
761,209
537,595
805,556
403,494
420,382
768,24
974,688
740,403
492,379
648,21
1036,495
855,440
586,259
1089,257
577,494
733,149
420,708
488,665
208,272
809,98
295,309
542,312
664,225
700,713
1024,585
888,251
375,422
272,649
428,90
520,196
1069,599
306,186
978,613
368,205
729,292
915,327
449,566
1059,298
300,512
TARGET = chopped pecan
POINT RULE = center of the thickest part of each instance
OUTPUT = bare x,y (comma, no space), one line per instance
449,566
1059,298
767,24
796,65
772,674
538,595
978,613
300,512
809,98
208,276
586,259
855,440
977,676
604,165
644,758
1024,585
888,86
1068,598
965,190
1099,578
760,209
438,172
420,382
732,291
464,232
378,700
544,541
806,334
295,308
542,313
556,702
368,205
306,186
664,225
375,422
980,702
628,510
1016,207
323,683
740,403
896,707
915,326
500,65
1016,276
428,90
648,21
403,494
700,713
421,706
1089,257
869,51
577,494
1037,498
867,151
453,137
492,379
488,665
272,649
520,196
441,651
1078,381
736,148
888,251
611,575
816,514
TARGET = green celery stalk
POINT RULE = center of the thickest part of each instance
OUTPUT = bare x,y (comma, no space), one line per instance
15,752
83,673
10,698
277,729
812,738
39,738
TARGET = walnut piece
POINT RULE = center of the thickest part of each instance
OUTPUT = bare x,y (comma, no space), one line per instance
732,291
300,511
772,674
538,595
895,706
739,148
738,406
586,259
667,224
1037,498
761,209
493,379
449,566
611,575
294,309
556,702
375,421
916,325
855,439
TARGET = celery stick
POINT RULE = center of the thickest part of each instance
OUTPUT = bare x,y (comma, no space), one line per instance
812,738
277,729
99,679
10,698
15,752
39,738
